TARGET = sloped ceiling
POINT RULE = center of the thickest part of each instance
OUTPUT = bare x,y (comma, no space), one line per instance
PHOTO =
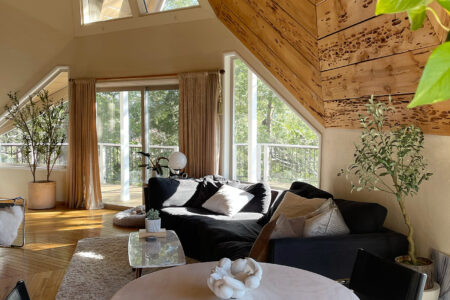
333,54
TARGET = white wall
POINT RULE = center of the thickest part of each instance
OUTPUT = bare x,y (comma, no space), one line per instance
14,181
429,210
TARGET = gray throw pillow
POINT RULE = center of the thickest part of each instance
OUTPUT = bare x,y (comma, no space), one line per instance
326,221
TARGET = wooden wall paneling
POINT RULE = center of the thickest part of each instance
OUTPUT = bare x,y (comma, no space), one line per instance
289,28
378,37
308,98
306,72
216,6
396,74
303,11
334,15
432,119
443,16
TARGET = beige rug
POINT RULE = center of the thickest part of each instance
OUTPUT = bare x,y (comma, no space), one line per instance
98,269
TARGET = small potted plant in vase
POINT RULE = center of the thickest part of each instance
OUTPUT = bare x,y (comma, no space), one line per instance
40,125
389,158
154,164
153,221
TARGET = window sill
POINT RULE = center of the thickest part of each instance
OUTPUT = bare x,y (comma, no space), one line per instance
25,167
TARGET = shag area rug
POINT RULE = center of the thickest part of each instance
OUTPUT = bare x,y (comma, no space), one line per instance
98,269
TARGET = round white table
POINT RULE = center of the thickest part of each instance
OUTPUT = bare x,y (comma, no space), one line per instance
189,282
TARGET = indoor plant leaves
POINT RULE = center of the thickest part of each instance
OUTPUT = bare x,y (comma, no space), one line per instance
390,7
434,85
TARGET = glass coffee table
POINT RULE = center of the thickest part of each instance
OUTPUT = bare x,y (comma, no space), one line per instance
155,252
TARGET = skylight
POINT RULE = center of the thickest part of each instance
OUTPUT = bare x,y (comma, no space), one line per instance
152,6
103,10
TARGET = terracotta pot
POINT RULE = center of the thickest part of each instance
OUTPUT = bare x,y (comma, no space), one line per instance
426,266
41,195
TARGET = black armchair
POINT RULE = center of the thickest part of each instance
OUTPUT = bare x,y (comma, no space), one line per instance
374,278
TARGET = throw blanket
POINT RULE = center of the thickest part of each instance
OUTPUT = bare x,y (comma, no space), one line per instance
10,220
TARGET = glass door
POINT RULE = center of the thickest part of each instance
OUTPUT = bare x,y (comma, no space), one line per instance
119,130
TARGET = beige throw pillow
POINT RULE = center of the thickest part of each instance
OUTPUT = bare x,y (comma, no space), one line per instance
279,228
325,221
293,205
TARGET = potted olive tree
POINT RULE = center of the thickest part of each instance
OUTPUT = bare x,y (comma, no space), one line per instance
40,123
389,158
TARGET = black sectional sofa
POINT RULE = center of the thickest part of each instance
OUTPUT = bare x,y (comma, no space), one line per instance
207,236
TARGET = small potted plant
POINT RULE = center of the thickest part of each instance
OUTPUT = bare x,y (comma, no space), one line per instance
153,164
389,159
153,221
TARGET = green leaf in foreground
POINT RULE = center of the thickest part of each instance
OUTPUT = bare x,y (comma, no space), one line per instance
417,17
444,3
434,85
395,6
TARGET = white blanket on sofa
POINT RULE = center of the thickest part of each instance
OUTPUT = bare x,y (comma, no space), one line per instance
10,220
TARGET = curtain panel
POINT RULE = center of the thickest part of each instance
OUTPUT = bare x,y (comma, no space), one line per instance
82,166
199,133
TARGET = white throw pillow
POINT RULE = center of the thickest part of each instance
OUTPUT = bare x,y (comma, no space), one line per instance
327,221
10,220
228,200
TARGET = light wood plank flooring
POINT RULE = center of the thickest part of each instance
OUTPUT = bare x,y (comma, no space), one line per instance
51,237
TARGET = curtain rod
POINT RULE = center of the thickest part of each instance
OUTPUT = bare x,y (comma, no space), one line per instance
144,76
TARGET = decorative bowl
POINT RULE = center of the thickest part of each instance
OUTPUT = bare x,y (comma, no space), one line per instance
231,279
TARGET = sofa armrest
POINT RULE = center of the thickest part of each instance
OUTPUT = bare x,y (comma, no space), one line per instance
334,256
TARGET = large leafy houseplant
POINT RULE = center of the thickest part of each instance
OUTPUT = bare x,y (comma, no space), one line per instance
434,85
389,158
40,123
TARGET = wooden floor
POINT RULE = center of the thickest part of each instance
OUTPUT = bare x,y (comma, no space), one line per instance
51,237
111,195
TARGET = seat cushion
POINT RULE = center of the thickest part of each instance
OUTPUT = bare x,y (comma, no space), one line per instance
362,217
200,231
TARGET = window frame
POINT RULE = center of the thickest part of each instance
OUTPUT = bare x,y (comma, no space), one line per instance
228,154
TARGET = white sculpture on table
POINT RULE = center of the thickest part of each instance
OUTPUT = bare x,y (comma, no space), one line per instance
232,279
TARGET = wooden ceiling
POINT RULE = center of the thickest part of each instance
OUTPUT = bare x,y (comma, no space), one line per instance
333,54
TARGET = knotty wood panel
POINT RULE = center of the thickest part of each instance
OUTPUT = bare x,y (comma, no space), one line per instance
307,73
303,11
334,15
443,16
304,41
433,119
381,36
273,63
396,74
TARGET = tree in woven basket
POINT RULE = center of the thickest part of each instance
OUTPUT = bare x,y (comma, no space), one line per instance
389,158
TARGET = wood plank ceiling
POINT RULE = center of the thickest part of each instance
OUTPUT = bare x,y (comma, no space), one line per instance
333,54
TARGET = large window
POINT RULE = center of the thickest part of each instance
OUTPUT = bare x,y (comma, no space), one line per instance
129,121
103,10
271,142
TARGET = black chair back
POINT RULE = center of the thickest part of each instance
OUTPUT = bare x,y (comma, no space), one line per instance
374,278
19,292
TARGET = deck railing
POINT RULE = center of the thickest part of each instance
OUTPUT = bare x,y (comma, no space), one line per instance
279,164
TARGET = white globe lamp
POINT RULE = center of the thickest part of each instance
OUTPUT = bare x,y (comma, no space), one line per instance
177,161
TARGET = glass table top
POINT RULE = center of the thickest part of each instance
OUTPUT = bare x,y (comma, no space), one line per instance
155,252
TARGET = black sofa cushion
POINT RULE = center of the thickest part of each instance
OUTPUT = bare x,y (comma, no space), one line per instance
362,217
201,231
263,197
165,192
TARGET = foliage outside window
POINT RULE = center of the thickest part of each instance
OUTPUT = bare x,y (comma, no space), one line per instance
161,111
287,148
152,6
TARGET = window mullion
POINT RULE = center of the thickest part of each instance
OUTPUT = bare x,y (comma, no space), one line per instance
252,126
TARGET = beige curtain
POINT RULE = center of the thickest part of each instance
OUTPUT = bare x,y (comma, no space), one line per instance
199,132
83,172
